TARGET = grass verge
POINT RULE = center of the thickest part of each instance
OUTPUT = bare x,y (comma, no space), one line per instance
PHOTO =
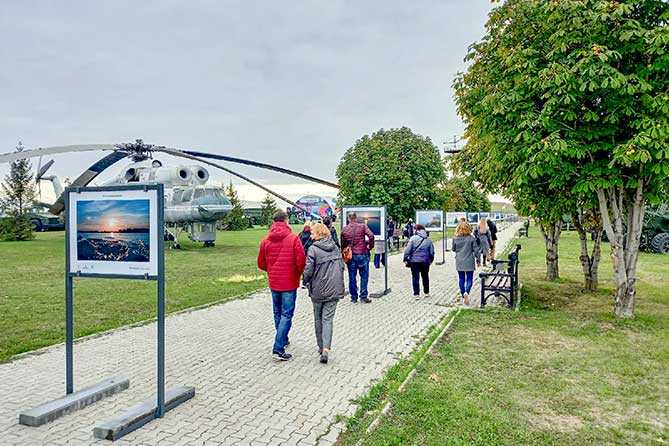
562,370
32,288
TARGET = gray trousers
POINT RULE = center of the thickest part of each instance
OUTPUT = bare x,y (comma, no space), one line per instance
323,316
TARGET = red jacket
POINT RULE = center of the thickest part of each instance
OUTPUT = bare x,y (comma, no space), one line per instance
282,256
354,234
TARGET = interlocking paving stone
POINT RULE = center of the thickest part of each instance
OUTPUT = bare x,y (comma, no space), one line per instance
242,396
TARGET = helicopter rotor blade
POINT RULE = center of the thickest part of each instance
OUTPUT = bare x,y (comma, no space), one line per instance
183,154
42,151
252,163
88,176
41,169
38,176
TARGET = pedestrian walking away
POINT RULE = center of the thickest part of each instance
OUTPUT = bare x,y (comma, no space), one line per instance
419,255
492,227
327,221
282,256
466,251
305,237
484,242
360,239
408,229
324,278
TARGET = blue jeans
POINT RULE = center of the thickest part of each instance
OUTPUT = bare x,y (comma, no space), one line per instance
466,281
283,303
379,259
358,264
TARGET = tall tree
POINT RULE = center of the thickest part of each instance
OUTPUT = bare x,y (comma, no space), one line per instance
461,194
573,96
18,194
395,167
235,220
267,210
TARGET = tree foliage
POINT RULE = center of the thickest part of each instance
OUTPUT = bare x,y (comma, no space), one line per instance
267,210
18,194
235,220
461,194
568,101
395,167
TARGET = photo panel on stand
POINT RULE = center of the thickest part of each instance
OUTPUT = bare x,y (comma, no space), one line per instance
373,216
114,232
472,217
431,220
454,218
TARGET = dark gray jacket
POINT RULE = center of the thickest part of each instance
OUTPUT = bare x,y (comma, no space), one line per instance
419,249
466,251
324,272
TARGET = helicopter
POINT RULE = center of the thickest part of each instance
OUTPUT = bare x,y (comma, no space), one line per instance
190,203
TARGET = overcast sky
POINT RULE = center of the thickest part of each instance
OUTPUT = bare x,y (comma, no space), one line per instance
291,83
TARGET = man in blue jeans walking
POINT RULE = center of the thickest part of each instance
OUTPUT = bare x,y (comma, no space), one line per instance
281,254
361,240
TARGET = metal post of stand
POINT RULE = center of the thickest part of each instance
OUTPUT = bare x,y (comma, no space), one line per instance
160,406
69,308
444,245
386,290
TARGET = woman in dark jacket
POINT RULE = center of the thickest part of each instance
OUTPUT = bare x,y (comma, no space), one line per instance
324,277
419,255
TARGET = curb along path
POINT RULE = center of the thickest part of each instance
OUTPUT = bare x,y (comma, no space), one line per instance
242,396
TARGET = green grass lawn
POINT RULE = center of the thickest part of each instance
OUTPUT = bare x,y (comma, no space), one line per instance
562,371
32,291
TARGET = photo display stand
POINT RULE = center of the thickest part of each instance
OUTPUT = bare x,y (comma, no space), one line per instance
433,221
375,218
113,232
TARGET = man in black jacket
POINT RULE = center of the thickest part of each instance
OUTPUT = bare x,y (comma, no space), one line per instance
492,227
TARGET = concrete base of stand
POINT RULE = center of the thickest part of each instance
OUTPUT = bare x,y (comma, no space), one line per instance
140,414
380,294
52,410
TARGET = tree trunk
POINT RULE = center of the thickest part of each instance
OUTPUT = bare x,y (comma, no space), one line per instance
589,262
551,233
622,215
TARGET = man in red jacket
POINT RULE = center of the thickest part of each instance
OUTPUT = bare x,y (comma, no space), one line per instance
361,240
282,256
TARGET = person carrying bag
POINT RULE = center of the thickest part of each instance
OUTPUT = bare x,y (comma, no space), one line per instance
419,255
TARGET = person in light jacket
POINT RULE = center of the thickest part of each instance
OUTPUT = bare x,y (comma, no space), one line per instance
466,252
324,278
419,255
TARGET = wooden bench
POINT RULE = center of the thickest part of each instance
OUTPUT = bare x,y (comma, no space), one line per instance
502,281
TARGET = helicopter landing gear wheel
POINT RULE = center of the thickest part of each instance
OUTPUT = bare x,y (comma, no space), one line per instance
176,246
209,244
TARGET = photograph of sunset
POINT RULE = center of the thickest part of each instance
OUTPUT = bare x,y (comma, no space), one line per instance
113,230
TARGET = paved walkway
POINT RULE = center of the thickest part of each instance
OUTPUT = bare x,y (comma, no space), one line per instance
242,396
